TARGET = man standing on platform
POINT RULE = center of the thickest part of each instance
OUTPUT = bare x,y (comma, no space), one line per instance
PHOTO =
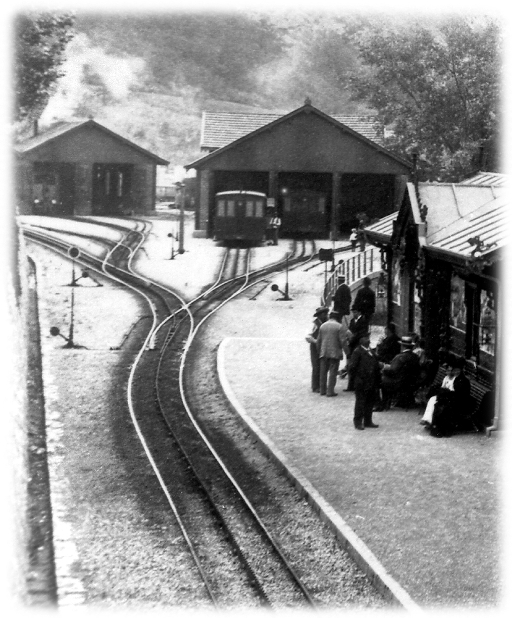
365,299
358,325
365,369
320,317
274,224
330,342
342,298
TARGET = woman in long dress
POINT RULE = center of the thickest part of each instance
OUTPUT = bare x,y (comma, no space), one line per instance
451,404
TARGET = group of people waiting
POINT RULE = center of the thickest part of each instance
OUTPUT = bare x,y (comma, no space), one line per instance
389,373
332,335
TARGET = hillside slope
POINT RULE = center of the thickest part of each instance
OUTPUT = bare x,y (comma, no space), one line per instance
150,76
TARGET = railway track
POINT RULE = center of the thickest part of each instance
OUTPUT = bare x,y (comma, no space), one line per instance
237,553
241,525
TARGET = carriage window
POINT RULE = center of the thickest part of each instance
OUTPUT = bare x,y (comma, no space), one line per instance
221,208
249,208
107,183
287,204
259,209
321,205
231,208
120,184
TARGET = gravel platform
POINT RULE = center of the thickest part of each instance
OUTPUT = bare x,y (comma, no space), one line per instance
428,508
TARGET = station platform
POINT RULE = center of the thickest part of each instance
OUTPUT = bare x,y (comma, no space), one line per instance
419,514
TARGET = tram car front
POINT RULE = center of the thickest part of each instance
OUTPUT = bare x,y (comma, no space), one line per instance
240,216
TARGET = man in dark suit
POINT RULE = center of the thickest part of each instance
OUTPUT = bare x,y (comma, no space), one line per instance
389,347
358,325
342,297
400,377
365,299
365,369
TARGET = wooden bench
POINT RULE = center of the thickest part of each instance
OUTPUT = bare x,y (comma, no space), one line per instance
480,382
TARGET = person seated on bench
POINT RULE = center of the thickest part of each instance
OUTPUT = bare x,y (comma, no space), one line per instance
389,346
450,407
399,378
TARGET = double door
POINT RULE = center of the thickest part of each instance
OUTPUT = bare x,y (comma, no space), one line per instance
111,189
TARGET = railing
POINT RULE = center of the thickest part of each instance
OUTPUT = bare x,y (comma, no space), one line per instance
355,268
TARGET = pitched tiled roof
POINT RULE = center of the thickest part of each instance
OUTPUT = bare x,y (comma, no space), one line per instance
57,130
46,135
221,128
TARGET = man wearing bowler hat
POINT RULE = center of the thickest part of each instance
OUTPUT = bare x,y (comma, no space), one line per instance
342,298
365,369
401,375
330,343
319,317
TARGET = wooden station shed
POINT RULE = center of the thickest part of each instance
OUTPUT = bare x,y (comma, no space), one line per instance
83,168
318,171
442,254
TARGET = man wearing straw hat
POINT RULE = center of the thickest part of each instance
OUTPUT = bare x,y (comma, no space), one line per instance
319,317
330,343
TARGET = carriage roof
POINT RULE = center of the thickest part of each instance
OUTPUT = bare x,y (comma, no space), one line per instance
250,193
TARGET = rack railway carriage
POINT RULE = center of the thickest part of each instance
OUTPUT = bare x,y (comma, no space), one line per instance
240,215
304,213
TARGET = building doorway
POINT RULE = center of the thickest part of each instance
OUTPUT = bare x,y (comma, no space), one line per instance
53,191
111,188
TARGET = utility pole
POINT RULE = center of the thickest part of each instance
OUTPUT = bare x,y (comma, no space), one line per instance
180,201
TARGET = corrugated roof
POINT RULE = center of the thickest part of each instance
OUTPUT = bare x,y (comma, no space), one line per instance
490,179
458,213
221,128
454,205
383,226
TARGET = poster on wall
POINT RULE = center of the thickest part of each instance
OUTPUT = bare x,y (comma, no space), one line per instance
397,284
487,323
457,304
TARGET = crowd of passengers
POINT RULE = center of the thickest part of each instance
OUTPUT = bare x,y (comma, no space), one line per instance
394,372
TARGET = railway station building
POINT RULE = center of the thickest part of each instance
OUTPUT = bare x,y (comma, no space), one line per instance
319,171
442,253
83,168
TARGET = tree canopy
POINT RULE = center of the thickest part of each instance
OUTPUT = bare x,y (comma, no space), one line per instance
436,84
215,53
40,41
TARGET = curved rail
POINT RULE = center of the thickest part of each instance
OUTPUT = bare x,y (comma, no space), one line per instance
193,330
